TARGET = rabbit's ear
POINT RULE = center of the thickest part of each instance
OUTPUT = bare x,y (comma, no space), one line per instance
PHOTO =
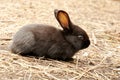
63,19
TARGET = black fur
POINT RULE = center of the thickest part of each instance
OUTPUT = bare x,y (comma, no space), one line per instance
44,40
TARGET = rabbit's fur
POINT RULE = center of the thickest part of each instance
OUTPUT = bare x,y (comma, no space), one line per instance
44,40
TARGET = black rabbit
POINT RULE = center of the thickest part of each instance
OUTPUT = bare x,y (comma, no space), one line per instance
44,40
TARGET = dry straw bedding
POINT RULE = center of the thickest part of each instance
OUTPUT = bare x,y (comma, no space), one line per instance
101,20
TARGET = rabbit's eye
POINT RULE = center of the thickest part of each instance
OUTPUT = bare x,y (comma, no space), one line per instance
80,36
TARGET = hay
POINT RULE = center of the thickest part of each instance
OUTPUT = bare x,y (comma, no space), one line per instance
101,61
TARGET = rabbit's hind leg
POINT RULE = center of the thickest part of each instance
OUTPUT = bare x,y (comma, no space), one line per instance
23,43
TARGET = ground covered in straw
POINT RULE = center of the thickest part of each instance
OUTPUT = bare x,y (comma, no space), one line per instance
101,20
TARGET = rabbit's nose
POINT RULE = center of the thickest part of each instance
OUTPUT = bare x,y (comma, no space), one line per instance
86,44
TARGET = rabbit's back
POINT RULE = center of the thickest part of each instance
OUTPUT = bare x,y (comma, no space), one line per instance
45,32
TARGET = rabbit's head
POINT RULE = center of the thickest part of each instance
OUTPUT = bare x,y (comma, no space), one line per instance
75,35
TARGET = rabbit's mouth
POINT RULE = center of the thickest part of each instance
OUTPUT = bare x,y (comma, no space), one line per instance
85,44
